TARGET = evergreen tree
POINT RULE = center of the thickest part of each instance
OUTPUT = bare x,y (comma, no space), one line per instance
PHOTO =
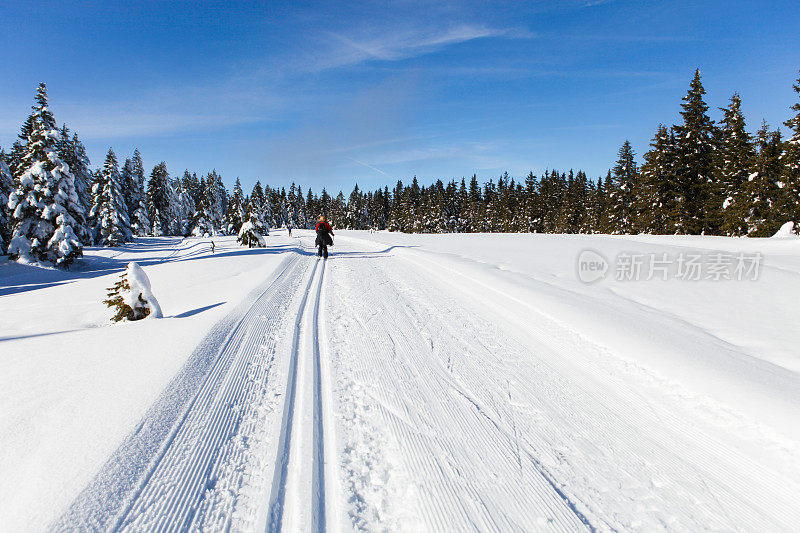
18,148
621,214
734,163
764,192
694,165
46,217
258,207
6,186
109,212
140,223
130,190
73,153
791,173
655,201
216,200
236,209
187,210
158,199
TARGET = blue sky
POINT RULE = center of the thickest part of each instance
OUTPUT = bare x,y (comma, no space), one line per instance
329,94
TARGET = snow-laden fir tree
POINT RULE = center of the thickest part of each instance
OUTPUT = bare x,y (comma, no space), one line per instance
46,218
252,232
158,200
187,207
694,164
109,212
175,208
734,164
18,148
791,163
73,153
130,191
764,192
140,221
215,201
131,297
620,213
237,212
6,186
260,205
655,201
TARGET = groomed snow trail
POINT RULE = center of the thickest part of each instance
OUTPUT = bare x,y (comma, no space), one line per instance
247,452
212,472
450,417
302,439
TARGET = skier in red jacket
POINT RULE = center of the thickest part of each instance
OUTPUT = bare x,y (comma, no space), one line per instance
324,234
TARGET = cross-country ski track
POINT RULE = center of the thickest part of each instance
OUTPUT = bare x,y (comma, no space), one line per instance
392,389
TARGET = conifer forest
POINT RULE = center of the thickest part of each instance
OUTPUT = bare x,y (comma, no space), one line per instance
709,174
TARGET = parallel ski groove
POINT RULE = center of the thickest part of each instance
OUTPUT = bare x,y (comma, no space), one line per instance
172,492
318,494
286,445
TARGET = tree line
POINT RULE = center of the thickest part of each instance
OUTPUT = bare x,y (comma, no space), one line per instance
698,177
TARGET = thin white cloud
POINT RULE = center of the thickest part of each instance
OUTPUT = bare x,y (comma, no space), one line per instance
394,45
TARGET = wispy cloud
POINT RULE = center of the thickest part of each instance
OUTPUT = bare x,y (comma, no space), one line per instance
392,45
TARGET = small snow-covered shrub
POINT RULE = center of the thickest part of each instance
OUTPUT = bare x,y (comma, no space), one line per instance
251,234
787,231
131,296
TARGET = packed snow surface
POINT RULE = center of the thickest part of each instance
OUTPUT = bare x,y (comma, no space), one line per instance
409,382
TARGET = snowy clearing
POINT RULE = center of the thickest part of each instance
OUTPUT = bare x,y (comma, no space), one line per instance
409,382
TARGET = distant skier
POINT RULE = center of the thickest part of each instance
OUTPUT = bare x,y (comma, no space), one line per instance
289,227
324,234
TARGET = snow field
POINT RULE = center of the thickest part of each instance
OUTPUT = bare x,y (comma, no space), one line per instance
627,454
75,389
408,383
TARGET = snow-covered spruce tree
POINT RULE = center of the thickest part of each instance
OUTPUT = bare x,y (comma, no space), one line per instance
18,148
236,208
734,163
658,189
791,166
301,213
215,201
46,215
324,202
157,231
186,204
175,208
694,164
158,199
6,186
621,216
259,205
130,191
109,212
140,222
252,232
131,297
73,153
764,192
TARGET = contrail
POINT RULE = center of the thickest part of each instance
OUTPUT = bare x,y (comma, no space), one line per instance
368,166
